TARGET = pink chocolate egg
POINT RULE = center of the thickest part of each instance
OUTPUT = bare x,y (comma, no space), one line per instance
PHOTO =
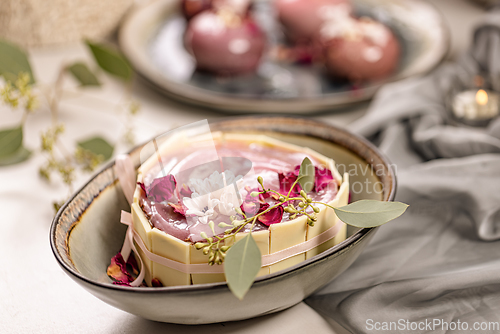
359,49
225,45
302,19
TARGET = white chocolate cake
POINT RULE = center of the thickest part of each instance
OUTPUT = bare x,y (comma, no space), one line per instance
192,189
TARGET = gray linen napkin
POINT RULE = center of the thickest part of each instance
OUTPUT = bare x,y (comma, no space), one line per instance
438,266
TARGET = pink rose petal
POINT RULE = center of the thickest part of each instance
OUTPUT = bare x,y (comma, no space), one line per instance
143,187
118,270
322,178
185,191
250,207
155,282
162,188
178,208
286,181
273,216
261,198
132,262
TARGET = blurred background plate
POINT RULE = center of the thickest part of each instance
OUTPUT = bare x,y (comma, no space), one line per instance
151,37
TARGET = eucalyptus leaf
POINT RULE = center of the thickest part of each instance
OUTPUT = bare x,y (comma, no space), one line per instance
13,60
111,61
83,74
11,140
241,266
370,213
18,156
99,146
306,175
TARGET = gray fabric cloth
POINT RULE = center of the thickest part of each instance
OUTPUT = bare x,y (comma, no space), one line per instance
440,261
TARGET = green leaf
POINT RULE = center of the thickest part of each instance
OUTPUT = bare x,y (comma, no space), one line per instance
83,74
306,175
370,213
11,140
18,156
241,266
13,60
111,61
99,146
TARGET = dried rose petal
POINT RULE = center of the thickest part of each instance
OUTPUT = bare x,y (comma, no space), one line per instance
266,195
251,207
274,196
185,191
178,208
155,282
322,178
132,262
286,181
162,188
273,216
118,270
249,197
143,187
261,198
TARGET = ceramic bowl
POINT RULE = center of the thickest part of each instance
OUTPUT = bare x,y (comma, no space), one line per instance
87,232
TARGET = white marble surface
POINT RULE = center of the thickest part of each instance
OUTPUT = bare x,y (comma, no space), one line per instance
35,294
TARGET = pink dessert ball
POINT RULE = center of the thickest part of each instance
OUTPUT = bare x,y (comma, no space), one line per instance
225,44
359,49
191,8
302,19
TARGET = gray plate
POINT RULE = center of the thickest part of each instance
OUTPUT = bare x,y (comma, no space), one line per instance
86,233
151,37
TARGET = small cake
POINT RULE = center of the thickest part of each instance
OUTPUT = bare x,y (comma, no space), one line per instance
302,19
224,42
193,189
359,49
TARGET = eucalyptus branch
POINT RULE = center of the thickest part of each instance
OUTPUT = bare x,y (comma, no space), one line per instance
216,252
297,206
18,92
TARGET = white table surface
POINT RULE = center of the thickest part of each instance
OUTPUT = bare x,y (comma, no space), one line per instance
36,296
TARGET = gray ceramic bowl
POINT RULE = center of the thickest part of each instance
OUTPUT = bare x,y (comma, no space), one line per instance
86,233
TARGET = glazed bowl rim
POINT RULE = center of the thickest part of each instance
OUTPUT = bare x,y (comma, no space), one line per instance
349,241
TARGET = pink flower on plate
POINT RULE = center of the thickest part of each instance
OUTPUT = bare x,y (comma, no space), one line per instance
162,189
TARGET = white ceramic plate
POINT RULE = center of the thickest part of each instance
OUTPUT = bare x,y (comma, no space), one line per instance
151,38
